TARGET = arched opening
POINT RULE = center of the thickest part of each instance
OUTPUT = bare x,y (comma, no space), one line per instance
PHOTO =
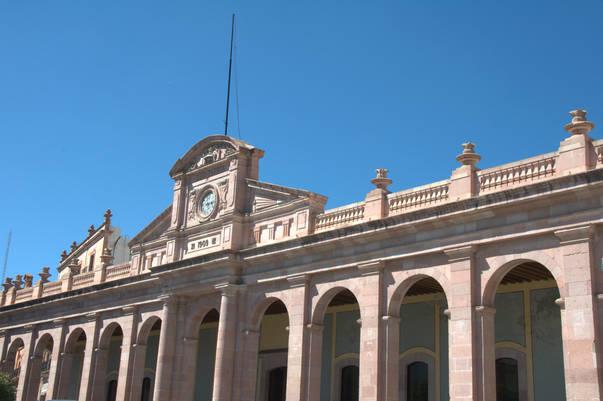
40,368
349,383
113,362
529,349
423,343
72,365
507,379
14,359
417,374
340,349
273,352
145,394
207,339
150,338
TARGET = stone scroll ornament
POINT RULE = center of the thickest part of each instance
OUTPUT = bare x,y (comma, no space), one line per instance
212,154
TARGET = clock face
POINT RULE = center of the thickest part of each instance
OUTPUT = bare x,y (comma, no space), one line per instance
208,203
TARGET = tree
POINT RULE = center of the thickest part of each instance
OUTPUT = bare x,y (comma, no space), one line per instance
7,388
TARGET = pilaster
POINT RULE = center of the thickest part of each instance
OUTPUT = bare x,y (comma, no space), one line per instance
166,352
298,338
581,344
462,334
226,343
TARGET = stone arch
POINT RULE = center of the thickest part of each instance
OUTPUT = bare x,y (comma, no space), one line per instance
73,338
325,299
196,319
145,329
43,342
260,309
11,353
395,301
106,335
500,271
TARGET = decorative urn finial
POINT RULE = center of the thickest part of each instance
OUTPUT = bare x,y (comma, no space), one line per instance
91,230
468,157
8,283
579,125
381,181
44,274
28,278
18,282
63,255
73,246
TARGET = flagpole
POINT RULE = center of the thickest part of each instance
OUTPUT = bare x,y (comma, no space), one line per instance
229,75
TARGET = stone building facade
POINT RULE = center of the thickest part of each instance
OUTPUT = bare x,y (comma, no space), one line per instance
484,286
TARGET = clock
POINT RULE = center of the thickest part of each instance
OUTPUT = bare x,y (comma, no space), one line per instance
208,203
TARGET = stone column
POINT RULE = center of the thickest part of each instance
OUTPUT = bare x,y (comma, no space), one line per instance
129,327
139,356
98,382
486,325
314,332
391,382
166,354
462,339
226,344
579,316
87,380
56,361
371,344
247,377
298,343
28,342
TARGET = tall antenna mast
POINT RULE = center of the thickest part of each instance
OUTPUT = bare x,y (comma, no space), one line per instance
229,75
10,234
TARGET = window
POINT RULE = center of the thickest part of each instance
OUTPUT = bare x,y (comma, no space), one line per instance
417,382
507,380
349,383
277,384
91,263
145,394
112,390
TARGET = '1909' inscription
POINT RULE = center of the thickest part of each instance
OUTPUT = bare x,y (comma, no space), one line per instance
204,243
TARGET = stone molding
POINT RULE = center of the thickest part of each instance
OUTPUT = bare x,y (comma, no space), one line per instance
575,234
370,268
461,253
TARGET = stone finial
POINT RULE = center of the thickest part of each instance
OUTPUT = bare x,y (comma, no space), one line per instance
8,284
44,274
28,278
63,255
74,266
91,230
381,181
18,282
468,157
106,257
73,246
579,125
108,216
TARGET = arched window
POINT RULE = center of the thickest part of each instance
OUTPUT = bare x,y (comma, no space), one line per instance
277,384
112,390
417,382
145,394
507,380
349,383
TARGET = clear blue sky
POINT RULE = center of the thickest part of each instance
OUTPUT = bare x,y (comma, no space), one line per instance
98,99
